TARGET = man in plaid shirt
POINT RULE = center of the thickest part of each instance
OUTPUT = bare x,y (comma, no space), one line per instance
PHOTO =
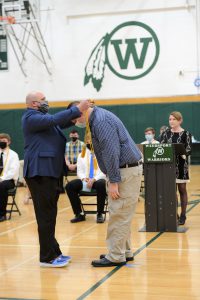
72,150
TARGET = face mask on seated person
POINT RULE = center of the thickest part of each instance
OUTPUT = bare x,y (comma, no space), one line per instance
74,139
149,137
3,145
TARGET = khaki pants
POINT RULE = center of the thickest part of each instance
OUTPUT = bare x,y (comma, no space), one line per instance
121,214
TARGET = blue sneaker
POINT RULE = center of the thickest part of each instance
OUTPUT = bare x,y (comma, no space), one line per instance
56,263
66,257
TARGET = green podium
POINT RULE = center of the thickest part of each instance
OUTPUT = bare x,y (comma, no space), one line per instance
160,187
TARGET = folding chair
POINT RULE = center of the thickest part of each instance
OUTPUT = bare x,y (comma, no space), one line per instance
92,193
12,203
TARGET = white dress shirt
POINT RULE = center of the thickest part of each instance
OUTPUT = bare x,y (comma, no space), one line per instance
83,164
153,142
10,165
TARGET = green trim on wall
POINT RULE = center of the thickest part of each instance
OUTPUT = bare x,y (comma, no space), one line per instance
135,117
120,101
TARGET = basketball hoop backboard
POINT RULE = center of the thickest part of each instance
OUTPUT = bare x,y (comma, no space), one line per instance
20,11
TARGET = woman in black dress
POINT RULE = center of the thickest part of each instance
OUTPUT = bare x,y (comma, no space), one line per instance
176,134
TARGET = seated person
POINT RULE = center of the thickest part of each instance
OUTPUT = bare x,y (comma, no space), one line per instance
9,172
150,136
72,150
90,176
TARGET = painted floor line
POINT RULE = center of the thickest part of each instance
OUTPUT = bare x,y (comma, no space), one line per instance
16,228
101,281
106,277
18,298
98,247
37,246
77,234
174,249
29,223
60,211
34,221
33,257
19,265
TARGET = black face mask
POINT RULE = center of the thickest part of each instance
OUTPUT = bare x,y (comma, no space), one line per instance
88,146
44,108
3,145
74,139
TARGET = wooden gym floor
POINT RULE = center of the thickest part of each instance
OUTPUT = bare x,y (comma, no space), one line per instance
166,266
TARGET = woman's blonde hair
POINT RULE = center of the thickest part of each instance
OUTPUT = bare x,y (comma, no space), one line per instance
177,115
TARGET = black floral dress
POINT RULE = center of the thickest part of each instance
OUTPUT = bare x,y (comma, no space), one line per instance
184,137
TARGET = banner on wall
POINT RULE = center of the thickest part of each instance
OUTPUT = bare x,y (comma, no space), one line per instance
3,53
130,51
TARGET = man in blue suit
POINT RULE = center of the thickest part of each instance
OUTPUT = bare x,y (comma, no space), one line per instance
43,165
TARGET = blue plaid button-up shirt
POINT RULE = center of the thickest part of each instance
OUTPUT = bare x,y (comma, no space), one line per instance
112,143
72,150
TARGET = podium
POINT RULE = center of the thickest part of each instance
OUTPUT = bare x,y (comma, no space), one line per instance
160,187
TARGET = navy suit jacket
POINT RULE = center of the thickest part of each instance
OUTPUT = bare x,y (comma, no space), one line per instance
45,142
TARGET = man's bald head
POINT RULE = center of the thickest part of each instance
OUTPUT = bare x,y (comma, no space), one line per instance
34,96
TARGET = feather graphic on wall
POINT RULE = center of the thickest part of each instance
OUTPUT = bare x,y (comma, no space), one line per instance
95,66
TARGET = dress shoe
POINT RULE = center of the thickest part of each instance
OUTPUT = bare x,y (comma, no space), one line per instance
3,218
127,258
55,263
104,262
182,219
78,218
100,218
